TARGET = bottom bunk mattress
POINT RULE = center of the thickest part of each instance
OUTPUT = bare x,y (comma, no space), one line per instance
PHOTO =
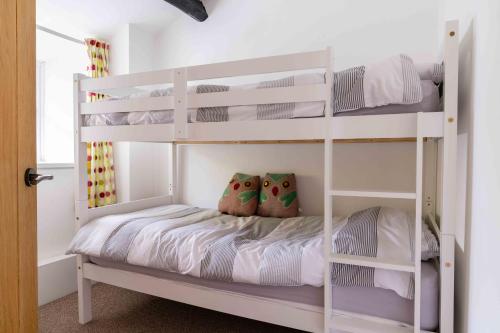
258,250
369,301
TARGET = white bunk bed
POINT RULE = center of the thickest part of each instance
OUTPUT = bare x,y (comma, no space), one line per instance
379,128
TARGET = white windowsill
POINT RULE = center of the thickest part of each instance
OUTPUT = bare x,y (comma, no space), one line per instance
44,165
52,260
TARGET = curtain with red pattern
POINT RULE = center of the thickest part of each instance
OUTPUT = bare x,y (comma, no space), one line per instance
100,168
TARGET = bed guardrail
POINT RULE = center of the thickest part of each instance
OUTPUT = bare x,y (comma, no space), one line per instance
181,101
101,85
84,214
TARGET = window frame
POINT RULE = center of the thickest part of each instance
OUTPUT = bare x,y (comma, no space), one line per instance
40,111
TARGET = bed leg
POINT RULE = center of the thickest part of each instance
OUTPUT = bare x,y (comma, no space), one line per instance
84,292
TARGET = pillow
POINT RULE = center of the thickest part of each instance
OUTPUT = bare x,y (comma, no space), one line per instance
430,71
240,196
278,196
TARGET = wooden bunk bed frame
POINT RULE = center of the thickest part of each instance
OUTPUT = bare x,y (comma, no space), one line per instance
326,130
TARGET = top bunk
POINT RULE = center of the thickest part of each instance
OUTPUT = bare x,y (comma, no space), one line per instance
289,109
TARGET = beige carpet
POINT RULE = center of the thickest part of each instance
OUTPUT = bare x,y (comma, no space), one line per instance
120,310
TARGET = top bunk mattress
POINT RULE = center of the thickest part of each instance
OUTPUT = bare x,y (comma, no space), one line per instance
394,85
430,103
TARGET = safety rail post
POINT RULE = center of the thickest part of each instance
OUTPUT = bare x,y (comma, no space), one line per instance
173,172
81,200
180,103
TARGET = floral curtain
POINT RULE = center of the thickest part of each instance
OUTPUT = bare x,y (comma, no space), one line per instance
100,168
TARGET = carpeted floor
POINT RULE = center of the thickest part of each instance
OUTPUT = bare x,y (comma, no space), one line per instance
120,310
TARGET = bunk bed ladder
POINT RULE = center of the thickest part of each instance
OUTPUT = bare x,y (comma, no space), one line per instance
341,322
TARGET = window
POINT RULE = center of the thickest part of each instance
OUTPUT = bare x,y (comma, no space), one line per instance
57,60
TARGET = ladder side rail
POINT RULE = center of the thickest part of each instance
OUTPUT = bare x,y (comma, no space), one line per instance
450,129
328,201
448,185
418,224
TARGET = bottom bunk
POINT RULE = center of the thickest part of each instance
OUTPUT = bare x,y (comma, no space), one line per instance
234,264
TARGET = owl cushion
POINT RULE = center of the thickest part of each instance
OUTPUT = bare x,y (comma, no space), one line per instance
278,196
240,198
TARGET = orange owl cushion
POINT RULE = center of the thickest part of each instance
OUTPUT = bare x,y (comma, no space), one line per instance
240,197
278,196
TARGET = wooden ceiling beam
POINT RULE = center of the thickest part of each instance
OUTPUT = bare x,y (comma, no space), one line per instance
193,8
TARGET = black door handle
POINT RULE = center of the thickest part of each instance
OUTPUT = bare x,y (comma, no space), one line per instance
31,178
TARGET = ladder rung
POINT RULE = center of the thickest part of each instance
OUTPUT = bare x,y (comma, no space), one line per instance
372,262
344,323
373,194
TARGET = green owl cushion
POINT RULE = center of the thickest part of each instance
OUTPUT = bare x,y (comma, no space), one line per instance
278,196
240,198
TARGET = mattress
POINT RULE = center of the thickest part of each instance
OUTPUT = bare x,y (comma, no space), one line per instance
429,103
363,300
258,250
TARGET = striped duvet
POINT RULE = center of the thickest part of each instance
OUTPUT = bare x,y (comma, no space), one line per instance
257,250
395,80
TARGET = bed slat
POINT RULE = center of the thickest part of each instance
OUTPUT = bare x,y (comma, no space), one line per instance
142,104
126,80
296,94
274,64
127,207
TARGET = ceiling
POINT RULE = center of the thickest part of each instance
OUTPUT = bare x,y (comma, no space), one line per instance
100,18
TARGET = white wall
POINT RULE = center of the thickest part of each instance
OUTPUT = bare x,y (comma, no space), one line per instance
119,64
206,169
477,289
140,168
55,212
56,227
148,161
359,32
485,236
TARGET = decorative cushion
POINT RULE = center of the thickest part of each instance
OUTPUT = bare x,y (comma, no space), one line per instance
240,197
278,196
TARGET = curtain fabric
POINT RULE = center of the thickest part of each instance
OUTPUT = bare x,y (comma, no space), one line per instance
100,168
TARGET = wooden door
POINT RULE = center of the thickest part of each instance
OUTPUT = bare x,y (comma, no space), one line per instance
18,291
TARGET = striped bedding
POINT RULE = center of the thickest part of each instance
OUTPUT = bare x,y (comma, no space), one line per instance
393,81
257,250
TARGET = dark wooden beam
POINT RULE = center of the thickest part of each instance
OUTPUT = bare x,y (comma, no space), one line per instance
193,8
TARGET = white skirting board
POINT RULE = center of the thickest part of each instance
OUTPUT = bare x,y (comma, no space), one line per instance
56,278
